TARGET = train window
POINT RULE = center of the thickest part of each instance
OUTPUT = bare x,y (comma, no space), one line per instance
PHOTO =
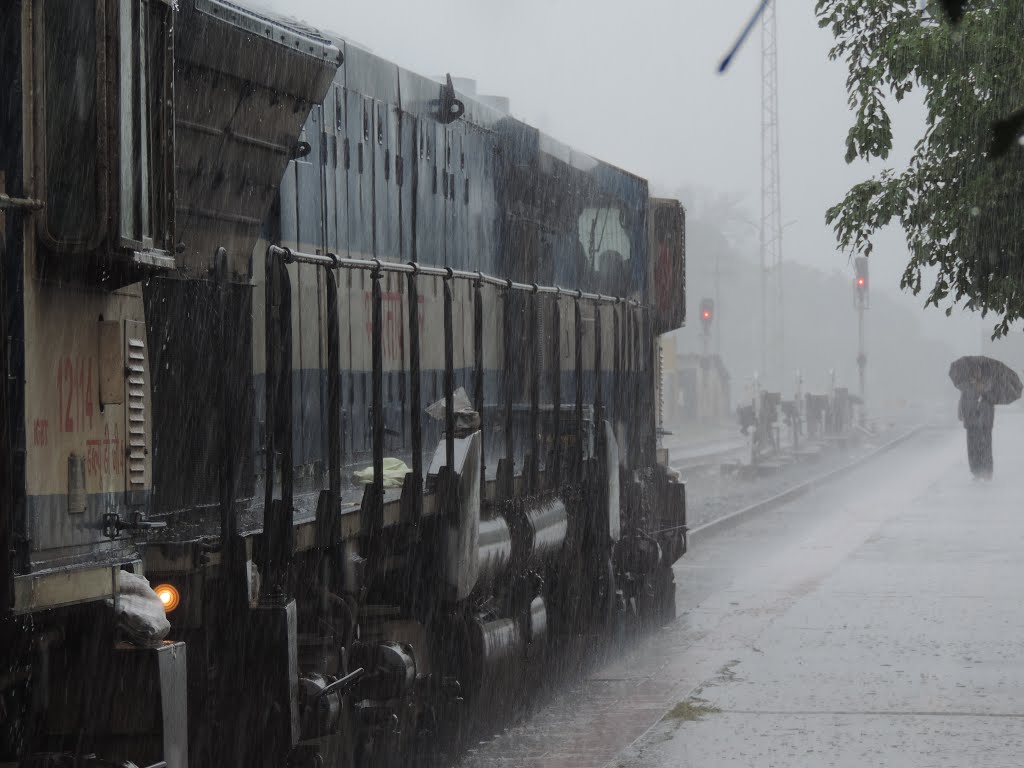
399,170
366,125
602,232
140,36
380,125
348,154
387,165
339,110
465,193
359,153
433,184
606,243
70,121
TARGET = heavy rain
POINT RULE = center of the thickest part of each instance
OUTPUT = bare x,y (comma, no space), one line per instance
556,384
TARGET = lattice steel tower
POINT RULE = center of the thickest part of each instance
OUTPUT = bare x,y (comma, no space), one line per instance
772,326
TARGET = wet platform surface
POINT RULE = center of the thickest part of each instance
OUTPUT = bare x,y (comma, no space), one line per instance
875,621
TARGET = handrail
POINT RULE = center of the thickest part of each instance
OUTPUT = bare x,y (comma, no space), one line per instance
8,203
336,262
626,354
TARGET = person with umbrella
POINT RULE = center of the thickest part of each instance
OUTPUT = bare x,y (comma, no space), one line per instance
977,413
983,384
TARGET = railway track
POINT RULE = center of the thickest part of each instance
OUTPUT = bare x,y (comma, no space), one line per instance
800,487
544,727
726,484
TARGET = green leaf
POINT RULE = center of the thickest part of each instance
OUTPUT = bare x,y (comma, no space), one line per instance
961,212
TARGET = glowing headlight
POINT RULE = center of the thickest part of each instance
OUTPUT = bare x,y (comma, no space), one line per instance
169,597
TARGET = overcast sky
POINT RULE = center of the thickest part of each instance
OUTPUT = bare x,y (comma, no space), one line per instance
635,83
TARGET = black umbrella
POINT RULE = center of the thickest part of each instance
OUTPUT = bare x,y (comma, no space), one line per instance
998,381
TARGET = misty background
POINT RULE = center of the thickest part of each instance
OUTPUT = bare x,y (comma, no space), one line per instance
636,84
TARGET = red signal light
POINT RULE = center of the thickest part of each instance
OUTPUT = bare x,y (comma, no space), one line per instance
707,308
860,281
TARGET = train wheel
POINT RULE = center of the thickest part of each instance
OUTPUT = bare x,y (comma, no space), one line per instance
656,603
616,611
458,690
607,600
665,595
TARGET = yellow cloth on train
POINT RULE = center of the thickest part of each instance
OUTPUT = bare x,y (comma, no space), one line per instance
395,471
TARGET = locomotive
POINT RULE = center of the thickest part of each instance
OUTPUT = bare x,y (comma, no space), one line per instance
350,373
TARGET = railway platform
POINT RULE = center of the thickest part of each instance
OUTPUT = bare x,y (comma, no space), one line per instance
693,446
876,620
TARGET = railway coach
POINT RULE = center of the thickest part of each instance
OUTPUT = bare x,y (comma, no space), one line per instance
348,374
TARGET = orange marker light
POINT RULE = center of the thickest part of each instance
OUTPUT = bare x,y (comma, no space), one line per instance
169,597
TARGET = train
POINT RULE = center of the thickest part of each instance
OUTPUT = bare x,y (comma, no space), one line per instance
329,395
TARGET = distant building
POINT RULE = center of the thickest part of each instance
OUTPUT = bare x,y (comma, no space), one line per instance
695,389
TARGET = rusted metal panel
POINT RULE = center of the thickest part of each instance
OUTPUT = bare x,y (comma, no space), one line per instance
111,363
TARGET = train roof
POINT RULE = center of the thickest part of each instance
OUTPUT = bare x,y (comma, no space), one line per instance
477,111
262,21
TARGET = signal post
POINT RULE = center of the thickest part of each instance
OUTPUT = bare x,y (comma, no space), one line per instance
861,300
707,311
